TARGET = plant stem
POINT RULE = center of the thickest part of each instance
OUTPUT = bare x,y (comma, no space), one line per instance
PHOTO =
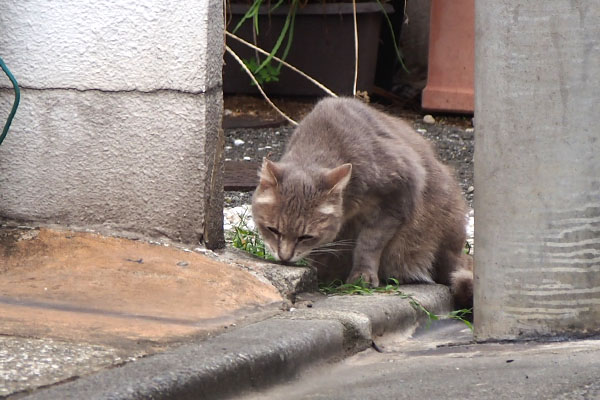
237,58
355,48
314,81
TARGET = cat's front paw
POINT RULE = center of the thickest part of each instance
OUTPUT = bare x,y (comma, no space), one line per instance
367,276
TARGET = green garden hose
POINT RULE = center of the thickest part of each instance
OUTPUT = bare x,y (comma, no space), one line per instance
15,104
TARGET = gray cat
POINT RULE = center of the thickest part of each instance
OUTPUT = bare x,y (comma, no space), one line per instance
360,194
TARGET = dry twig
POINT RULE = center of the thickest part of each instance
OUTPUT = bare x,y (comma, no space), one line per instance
237,58
355,49
317,83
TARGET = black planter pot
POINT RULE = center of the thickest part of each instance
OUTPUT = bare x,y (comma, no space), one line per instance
323,47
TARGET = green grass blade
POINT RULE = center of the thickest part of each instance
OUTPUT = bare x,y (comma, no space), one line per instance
251,13
290,37
389,24
280,2
282,34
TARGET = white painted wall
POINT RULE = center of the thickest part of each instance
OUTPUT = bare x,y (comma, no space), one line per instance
112,44
119,124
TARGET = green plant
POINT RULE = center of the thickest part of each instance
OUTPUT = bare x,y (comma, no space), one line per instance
468,248
245,238
263,70
360,287
265,75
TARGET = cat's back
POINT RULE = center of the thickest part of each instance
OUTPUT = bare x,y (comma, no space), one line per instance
353,127
347,119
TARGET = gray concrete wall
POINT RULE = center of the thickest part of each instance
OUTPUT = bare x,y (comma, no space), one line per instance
119,124
537,168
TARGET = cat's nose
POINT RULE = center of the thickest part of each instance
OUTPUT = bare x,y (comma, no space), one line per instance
284,257
286,251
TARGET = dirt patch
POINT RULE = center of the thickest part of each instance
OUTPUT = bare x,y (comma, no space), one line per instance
252,106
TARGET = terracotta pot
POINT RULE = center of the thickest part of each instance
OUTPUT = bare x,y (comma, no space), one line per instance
450,77
323,47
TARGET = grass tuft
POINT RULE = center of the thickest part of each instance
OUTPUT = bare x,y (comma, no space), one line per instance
245,238
360,287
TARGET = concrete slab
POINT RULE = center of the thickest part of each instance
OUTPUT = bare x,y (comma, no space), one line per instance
365,318
26,363
89,316
97,289
250,357
289,280
145,163
443,363
74,302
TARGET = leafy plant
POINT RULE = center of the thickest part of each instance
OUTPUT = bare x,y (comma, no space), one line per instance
246,238
360,287
263,70
468,248
265,75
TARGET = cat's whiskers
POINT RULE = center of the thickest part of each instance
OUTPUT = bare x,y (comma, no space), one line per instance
339,244
313,262
333,253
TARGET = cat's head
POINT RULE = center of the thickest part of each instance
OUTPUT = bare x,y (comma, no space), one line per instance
298,210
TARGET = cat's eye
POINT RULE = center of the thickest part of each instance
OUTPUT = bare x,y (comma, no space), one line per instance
273,230
305,237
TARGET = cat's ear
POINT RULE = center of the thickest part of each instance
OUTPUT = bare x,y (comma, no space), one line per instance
337,178
270,174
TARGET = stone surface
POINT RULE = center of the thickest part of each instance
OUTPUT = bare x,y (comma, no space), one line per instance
113,45
367,317
121,127
250,357
289,280
428,119
96,289
536,162
442,363
28,363
75,303
125,161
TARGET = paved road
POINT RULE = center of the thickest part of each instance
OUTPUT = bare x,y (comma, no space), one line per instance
429,366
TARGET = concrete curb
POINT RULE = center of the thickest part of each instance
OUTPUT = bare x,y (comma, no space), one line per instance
260,354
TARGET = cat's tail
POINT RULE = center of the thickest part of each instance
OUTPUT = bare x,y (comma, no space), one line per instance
461,283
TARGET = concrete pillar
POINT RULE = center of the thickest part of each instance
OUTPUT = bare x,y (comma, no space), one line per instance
537,168
119,122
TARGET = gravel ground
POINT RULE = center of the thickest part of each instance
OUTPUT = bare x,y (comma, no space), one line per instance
452,137
257,143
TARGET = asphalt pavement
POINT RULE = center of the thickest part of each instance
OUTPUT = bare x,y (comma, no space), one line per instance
442,362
